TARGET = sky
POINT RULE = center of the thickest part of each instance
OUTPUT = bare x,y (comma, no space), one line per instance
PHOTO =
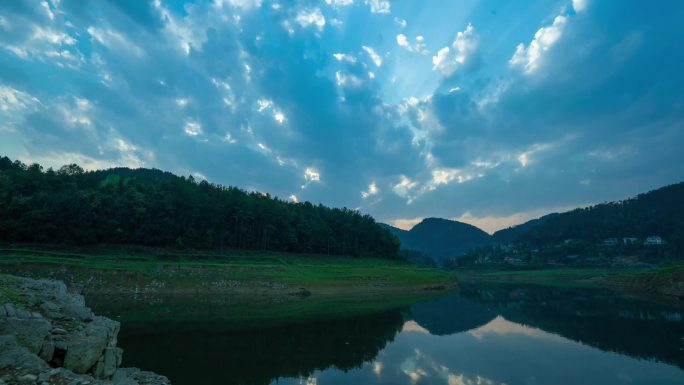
490,112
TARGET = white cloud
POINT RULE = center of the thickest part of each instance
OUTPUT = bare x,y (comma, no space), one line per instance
279,117
312,175
114,40
579,5
347,80
52,37
264,104
349,58
313,17
12,99
378,6
293,198
228,138
419,46
192,128
400,22
181,102
373,55
372,190
404,187
528,58
339,3
241,4
48,11
464,46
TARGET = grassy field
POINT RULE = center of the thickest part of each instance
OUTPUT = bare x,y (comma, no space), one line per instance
666,279
100,270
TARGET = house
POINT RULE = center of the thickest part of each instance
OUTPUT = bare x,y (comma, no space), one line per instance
629,240
654,240
610,242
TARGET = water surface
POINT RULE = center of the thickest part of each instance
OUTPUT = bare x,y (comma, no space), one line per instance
481,334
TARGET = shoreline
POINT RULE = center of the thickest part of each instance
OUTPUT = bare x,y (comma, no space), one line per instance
665,282
49,335
112,270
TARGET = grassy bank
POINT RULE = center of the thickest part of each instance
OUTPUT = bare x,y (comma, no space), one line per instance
665,280
138,270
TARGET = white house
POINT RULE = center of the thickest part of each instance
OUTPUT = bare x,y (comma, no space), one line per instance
654,240
610,242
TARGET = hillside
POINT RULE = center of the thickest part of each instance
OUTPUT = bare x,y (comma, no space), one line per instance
441,238
511,234
154,208
659,212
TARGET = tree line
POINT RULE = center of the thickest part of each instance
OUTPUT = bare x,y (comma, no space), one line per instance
149,207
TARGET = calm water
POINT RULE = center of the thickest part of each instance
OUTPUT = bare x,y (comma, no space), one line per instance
484,334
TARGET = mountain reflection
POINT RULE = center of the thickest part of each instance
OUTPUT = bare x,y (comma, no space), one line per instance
256,354
481,334
595,317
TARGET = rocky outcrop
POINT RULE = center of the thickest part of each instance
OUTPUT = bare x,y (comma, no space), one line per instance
48,335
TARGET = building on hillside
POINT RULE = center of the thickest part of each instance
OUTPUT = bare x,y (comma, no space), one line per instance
610,242
630,240
654,240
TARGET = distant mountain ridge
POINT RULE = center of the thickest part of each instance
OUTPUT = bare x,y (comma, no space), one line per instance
658,212
441,238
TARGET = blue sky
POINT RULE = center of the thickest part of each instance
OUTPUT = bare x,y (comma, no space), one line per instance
491,112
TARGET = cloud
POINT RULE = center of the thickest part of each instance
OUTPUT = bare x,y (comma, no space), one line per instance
463,47
419,46
311,17
209,90
379,6
339,3
528,58
192,128
345,57
579,5
377,60
312,175
372,190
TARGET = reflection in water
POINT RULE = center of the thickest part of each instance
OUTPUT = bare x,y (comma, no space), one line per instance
210,353
483,334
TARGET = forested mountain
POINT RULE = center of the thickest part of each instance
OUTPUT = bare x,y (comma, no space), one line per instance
659,212
511,234
441,238
154,208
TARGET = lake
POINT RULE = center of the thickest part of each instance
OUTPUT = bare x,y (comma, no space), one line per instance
480,334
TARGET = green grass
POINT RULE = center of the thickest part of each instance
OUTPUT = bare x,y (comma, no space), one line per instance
188,267
9,293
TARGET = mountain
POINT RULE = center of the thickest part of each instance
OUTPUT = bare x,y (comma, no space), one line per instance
441,238
659,212
155,208
511,234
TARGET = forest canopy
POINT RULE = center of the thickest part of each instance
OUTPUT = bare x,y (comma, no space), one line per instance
149,207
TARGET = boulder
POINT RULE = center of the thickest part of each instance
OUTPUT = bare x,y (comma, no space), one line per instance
84,348
29,332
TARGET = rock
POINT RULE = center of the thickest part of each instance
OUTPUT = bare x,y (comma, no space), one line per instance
30,332
51,310
302,292
47,351
28,378
14,355
84,348
21,313
9,310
